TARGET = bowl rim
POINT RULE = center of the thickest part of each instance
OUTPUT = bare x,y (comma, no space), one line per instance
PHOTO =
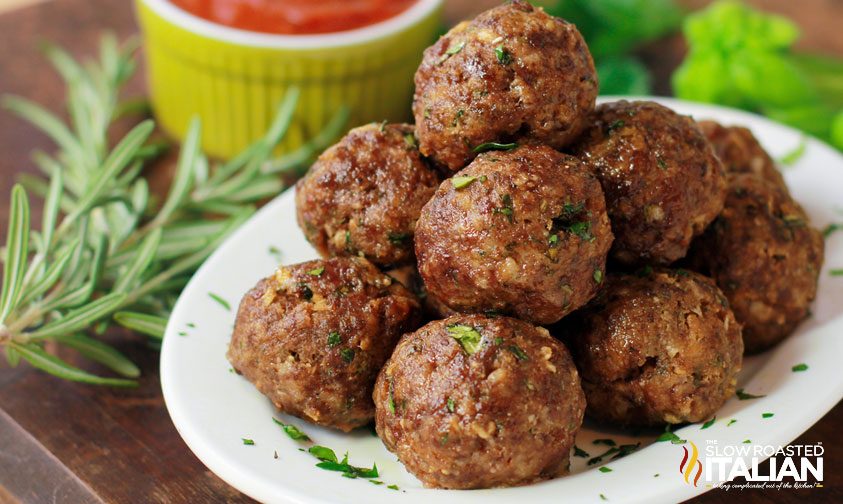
167,10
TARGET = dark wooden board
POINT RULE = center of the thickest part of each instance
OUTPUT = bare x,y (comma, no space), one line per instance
76,443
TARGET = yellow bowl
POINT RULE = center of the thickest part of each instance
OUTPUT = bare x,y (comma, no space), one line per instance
235,79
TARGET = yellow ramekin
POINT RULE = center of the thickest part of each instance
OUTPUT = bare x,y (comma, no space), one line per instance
235,79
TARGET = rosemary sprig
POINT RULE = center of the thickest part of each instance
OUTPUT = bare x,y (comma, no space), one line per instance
104,252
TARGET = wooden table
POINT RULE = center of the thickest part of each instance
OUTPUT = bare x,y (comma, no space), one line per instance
65,442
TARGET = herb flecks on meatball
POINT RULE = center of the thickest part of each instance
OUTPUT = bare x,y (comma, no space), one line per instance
658,347
513,73
313,336
662,180
362,197
477,402
523,232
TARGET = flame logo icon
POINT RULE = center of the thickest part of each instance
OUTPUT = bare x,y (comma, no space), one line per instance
691,463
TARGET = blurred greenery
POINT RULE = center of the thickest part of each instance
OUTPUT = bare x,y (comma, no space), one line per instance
615,28
743,57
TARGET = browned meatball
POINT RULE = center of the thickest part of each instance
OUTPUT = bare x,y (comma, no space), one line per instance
363,195
313,337
511,73
433,308
654,348
662,181
522,232
764,254
740,152
478,402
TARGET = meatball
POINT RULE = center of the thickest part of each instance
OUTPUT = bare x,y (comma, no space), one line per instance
658,347
740,152
313,337
512,73
477,402
433,308
662,181
523,232
765,256
364,194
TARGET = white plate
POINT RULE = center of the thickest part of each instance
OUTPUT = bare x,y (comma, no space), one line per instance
214,408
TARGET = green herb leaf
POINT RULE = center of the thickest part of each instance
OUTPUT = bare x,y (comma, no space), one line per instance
143,258
100,352
743,396
670,436
490,146
518,352
222,302
316,271
334,339
766,415
80,318
796,154
598,276
248,442
799,367
323,453
708,423
468,337
462,181
292,431
51,364
347,355
731,422
183,178
17,246
605,469
504,58
151,325
578,452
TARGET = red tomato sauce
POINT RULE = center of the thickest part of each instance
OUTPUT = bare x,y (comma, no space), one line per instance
295,17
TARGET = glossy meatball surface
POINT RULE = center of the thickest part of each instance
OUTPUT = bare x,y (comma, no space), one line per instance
523,232
662,180
512,73
765,255
740,152
477,402
363,196
654,348
313,337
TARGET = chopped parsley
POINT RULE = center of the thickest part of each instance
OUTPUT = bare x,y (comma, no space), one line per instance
603,497
292,431
796,154
598,275
836,272
799,367
708,423
605,469
376,482
667,435
661,162
766,415
347,355
328,461
316,271
468,337
457,117
731,422
490,146
398,238
392,487
579,452
248,442
743,396
518,352
462,181
410,140
451,405
746,441
832,228
616,451
574,220
275,252
582,229
334,339
504,58
615,125
506,209
222,302
452,50
553,240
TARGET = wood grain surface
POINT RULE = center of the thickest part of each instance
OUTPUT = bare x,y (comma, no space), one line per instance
65,442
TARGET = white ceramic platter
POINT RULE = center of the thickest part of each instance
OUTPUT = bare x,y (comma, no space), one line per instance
214,409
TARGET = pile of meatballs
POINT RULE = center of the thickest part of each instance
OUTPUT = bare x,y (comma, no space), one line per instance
521,257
